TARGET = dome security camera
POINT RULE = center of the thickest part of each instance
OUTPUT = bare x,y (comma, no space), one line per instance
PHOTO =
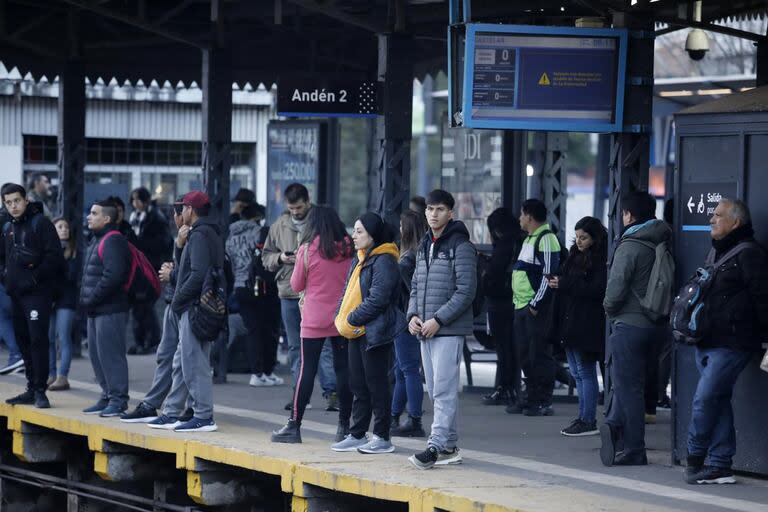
697,44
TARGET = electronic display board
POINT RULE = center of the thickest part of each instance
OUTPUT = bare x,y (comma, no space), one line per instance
544,78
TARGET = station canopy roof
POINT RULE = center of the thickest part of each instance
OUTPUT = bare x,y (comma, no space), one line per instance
131,40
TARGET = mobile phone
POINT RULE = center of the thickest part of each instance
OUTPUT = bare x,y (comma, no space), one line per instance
289,253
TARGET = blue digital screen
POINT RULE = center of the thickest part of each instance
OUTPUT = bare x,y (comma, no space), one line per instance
544,78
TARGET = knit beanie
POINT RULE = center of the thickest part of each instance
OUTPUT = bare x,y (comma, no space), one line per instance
376,228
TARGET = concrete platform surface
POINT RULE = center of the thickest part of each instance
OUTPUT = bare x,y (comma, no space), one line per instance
511,462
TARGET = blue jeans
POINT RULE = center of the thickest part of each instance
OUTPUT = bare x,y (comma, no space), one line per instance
583,367
61,330
7,334
292,322
408,388
711,432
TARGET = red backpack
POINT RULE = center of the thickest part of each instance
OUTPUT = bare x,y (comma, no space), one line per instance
142,284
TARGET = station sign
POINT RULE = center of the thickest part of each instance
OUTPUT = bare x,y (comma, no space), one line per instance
326,96
699,203
544,78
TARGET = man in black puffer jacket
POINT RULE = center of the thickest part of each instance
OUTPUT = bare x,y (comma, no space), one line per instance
105,300
737,312
30,263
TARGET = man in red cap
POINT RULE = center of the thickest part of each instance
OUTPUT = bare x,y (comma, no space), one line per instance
191,366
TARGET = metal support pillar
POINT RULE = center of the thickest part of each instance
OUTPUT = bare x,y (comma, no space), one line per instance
551,148
515,155
71,139
761,63
630,151
217,129
602,174
391,190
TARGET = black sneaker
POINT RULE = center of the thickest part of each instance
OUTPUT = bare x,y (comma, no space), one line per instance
539,410
714,475
664,403
581,429
498,397
694,465
425,459
411,427
143,413
515,408
26,398
187,415
41,401
608,438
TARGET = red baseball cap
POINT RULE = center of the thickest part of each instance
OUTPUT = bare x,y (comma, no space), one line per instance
196,199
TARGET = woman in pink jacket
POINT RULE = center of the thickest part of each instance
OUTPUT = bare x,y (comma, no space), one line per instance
322,263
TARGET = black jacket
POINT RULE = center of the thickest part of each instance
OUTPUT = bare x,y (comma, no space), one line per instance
204,249
69,287
497,280
380,287
407,266
154,238
170,286
578,317
738,297
102,290
32,259
127,231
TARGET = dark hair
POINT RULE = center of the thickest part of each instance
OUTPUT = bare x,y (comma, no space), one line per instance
252,211
439,196
142,194
641,205
12,188
597,254
118,202
71,248
108,209
36,177
414,226
536,209
203,211
296,192
324,222
420,202
502,223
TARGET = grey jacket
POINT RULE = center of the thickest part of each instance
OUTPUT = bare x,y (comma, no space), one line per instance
444,282
241,248
204,249
283,237
629,271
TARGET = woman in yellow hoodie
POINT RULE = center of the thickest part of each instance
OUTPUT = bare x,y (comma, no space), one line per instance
369,317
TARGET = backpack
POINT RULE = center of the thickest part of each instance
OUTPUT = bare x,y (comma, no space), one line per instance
258,275
208,315
689,318
478,302
563,254
659,295
142,285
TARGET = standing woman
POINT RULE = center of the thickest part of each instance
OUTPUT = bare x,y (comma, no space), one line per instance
370,318
322,262
408,387
581,318
63,316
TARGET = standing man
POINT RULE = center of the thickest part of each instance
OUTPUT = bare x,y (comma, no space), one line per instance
30,263
279,256
635,334
737,305
191,374
123,226
440,314
105,301
539,257
40,192
244,198
155,241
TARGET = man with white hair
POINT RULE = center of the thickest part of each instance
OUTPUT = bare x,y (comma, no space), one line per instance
737,311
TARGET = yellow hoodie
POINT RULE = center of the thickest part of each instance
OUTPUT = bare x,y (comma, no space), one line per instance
353,295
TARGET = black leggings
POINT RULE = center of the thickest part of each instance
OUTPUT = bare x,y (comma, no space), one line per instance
369,378
311,349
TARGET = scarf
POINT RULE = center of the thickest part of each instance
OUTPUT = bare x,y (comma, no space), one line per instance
732,239
353,295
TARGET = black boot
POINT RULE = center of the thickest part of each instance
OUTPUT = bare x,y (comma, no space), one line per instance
342,430
26,398
290,433
410,428
41,401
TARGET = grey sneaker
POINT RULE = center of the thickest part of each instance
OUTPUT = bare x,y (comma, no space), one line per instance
349,444
376,445
449,457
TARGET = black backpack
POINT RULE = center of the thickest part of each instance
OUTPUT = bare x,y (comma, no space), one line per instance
478,303
257,273
208,315
537,252
689,317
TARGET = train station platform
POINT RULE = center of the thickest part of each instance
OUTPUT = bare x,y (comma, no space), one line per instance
511,463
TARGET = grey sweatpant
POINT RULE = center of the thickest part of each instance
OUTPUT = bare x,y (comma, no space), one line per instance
169,342
191,375
441,357
106,348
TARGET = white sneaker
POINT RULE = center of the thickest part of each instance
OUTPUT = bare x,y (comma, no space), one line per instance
258,381
276,381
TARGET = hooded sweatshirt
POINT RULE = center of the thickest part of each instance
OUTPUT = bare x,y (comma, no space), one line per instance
629,272
241,246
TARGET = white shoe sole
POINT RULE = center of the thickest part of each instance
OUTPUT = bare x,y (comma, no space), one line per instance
166,426
93,413
348,448
375,452
207,428
412,460
720,481
583,434
260,384
11,367
453,461
139,420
